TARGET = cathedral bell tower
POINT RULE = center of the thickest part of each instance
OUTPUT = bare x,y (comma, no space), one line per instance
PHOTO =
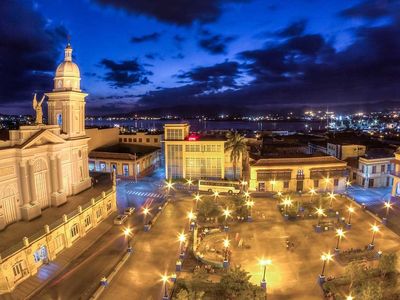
66,103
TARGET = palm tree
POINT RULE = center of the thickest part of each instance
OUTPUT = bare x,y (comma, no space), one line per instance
237,145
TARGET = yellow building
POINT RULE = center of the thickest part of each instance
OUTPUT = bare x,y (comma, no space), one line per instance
196,156
396,175
298,174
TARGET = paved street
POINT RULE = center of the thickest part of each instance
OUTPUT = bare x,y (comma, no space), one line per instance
83,275
374,199
155,253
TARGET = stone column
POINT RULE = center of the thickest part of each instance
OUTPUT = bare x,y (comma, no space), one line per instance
60,176
24,183
32,186
53,174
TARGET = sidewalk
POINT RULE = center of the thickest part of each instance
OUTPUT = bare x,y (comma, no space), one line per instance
14,233
47,272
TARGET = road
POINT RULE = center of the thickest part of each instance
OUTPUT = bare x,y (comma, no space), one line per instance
82,276
155,253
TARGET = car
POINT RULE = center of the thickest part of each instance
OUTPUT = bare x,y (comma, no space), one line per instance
120,219
129,210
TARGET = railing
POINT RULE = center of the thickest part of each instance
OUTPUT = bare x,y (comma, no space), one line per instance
41,232
394,173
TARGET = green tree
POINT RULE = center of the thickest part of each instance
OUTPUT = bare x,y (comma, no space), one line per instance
387,264
356,273
236,144
236,284
370,290
208,209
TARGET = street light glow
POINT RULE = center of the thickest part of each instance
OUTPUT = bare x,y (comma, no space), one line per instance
127,231
182,237
332,196
164,278
226,212
351,209
250,203
340,233
326,257
197,197
374,228
189,182
216,194
349,297
388,205
312,191
226,243
191,215
265,262
247,194
320,211
169,185
146,210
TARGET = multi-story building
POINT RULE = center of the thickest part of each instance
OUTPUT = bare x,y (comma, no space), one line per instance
146,138
298,174
345,150
197,156
125,159
395,173
373,169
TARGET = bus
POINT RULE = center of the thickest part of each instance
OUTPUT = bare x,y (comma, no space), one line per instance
220,186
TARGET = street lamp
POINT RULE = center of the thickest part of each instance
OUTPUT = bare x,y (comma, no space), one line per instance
286,202
279,193
325,257
374,229
145,211
226,248
197,198
246,195
216,195
331,197
327,181
351,211
128,237
182,240
264,263
169,185
313,193
226,213
250,204
191,216
320,213
340,234
244,184
164,279
388,206
349,297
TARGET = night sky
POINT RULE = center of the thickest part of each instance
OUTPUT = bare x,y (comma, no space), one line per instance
205,56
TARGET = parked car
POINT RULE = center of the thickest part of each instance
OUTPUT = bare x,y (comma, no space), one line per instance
120,219
129,210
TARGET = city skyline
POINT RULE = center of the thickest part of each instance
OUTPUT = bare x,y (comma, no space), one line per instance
228,56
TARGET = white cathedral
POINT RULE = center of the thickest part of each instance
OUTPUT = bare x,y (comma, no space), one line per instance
40,165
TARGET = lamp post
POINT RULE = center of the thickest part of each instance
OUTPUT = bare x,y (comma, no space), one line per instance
182,240
264,263
327,181
388,206
279,193
197,198
374,229
247,195
169,185
128,237
320,212
313,193
226,213
351,211
286,203
164,279
145,212
250,205
326,257
244,185
191,216
331,197
340,234
189,183
226,248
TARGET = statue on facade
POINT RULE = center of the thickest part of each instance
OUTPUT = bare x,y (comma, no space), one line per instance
37,106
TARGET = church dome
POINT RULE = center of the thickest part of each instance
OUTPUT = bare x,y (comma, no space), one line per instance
67,75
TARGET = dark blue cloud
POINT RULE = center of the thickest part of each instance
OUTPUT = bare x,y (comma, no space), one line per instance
125,73
215,43
146,38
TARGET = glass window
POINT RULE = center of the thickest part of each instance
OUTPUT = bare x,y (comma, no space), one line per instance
120,140
336,182
91,165
125,170
134,140
155,140
130,140
125,139
99,213
140,140
373,169
316,183
286,184
147,140
383,168
88,221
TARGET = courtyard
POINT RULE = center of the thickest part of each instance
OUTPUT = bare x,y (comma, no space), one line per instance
294,271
